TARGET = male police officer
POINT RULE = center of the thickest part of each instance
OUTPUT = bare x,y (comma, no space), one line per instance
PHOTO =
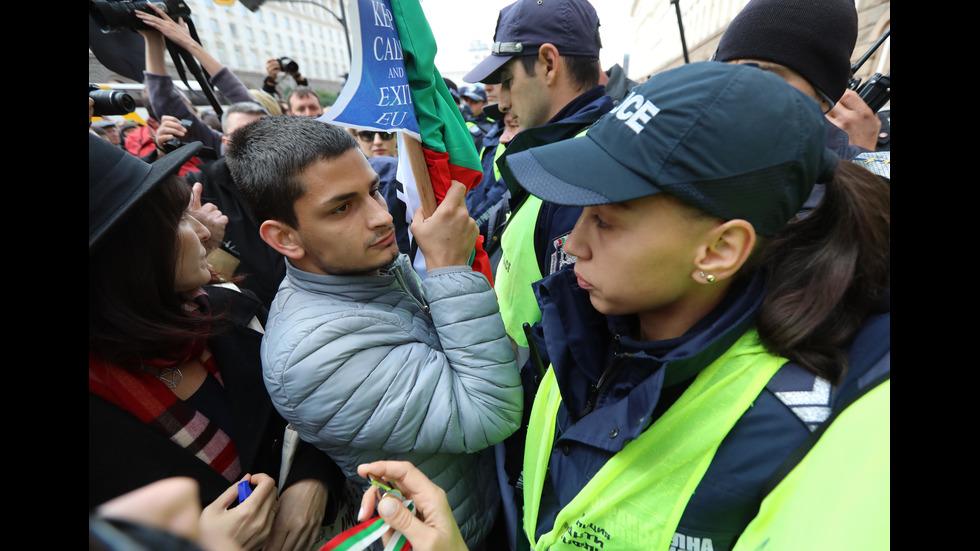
546,59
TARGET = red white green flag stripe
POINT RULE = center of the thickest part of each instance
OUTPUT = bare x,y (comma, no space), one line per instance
361,536
446,141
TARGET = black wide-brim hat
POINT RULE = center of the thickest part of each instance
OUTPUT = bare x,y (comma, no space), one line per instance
118,180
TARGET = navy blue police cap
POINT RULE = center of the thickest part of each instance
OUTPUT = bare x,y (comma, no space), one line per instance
732,140
522,27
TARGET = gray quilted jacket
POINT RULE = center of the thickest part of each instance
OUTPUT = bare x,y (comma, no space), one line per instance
393,367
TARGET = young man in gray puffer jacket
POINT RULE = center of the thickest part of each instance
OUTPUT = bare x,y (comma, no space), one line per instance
364,359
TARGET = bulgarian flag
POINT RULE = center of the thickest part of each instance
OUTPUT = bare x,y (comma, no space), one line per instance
394,86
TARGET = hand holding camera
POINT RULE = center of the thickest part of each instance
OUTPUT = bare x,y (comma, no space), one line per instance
281,65
115,15
170,133
283,71
176,31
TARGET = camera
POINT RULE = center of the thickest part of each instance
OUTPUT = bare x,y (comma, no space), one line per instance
877,91
206,153
175,143
113,15
288,65
110,102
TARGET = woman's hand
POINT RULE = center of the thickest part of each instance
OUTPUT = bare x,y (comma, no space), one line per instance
434,529
301,508
210,215
176,31
250,523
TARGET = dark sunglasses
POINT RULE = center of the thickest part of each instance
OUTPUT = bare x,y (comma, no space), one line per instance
368,137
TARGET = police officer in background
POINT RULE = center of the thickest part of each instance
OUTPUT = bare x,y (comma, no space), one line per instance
475,99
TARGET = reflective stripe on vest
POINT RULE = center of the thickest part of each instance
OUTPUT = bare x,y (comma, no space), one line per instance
496,155
518,268
636,499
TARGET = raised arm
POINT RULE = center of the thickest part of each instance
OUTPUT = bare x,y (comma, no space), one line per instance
365,380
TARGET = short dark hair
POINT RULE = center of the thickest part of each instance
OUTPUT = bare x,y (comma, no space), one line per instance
583,70
267,156
301,92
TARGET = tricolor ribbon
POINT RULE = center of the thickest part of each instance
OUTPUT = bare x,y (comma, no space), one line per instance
361,536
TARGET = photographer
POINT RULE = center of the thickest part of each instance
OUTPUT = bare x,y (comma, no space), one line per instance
164,98
279,78
142,143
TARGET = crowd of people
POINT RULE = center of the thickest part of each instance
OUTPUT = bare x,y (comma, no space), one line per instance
685,344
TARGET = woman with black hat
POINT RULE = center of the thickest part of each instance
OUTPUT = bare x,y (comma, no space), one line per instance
175,379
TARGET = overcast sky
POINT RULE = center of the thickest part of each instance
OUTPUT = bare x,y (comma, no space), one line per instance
455,24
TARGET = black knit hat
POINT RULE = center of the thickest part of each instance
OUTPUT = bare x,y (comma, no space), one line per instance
814,39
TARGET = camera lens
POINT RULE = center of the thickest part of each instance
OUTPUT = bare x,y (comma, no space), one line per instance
288,65
112,102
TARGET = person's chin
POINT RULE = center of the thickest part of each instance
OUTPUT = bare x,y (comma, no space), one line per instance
390,252
386,263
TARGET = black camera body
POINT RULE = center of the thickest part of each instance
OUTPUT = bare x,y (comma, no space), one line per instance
113,15
876,91
176,143
288,65
110,102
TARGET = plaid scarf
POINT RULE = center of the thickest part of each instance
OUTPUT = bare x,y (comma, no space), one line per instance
149,399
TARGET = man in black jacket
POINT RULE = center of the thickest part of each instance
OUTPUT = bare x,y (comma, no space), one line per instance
242,251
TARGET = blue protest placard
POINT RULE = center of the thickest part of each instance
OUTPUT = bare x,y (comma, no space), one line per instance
376,95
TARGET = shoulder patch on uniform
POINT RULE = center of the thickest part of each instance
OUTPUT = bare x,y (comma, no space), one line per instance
805,394
559,258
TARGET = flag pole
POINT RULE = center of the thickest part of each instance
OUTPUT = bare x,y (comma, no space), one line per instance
420,169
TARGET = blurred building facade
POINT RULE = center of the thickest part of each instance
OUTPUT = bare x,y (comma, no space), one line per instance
309,32
657,33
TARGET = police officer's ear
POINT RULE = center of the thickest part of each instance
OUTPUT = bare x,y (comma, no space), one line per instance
723,251
550,60
283,238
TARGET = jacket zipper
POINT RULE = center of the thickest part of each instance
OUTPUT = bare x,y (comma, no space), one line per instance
595,389
401,281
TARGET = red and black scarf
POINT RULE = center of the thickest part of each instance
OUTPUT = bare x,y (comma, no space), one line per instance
149,399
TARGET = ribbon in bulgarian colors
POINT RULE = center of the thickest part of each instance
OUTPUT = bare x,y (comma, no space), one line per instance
361,536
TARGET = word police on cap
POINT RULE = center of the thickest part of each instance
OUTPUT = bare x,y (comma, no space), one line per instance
635,109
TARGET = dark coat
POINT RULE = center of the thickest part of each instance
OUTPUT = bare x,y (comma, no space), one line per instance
262,266
125,454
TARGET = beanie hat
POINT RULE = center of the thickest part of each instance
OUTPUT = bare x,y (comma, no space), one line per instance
814,39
